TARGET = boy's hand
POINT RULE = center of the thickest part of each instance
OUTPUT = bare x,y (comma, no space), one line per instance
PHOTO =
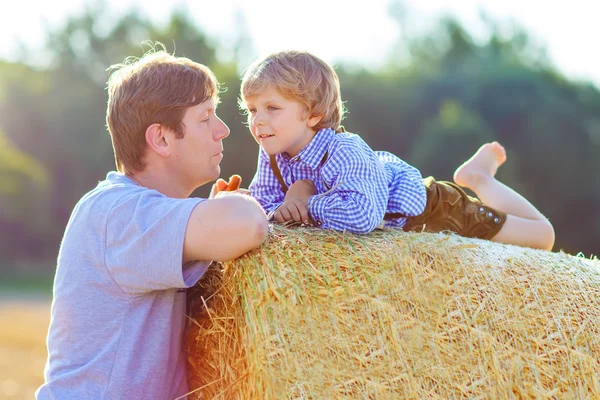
295,206
292,209
301,190
221,186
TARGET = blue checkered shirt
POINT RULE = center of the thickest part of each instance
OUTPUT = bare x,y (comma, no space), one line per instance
365,184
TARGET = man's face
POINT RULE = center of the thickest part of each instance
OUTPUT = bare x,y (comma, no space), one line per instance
277,123
198,154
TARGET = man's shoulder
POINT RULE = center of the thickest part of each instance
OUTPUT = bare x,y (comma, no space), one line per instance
87,227
121,200
107,194
124,197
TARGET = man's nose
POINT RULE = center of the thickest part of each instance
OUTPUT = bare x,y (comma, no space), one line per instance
222,130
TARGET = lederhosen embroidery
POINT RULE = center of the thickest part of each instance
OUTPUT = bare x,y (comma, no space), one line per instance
284,187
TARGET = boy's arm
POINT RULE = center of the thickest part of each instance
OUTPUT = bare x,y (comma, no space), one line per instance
223,229
358,199
408,195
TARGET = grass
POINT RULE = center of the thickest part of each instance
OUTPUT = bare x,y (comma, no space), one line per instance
23,352
25,297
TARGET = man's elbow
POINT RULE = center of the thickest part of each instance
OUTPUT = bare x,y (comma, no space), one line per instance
250,233
255,226
258,229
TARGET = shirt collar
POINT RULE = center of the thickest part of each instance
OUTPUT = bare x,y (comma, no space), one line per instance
313,153
116,177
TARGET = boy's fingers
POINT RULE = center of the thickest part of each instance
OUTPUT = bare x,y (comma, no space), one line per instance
295,212
278,217
234,183
285,213
303,213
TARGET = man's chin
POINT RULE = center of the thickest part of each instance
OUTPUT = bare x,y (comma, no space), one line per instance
214,176
207,179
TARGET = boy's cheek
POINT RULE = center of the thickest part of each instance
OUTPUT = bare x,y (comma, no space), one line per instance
254,136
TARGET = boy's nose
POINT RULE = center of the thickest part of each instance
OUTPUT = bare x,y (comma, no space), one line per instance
258,120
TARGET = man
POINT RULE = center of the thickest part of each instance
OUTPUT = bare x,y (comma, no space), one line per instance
136,241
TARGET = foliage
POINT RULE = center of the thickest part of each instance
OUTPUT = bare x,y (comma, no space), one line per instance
434,110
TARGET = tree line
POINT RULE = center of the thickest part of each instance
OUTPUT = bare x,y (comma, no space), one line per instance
433,108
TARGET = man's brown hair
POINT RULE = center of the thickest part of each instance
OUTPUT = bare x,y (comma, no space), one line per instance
154,89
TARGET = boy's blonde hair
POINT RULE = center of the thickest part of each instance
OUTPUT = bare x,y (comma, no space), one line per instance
157,88
300,76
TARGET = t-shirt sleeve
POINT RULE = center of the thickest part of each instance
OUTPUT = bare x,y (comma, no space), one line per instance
144,243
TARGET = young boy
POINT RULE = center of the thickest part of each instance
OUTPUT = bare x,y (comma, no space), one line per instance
311,170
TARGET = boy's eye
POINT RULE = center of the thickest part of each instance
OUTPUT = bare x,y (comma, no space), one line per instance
271,108
251,110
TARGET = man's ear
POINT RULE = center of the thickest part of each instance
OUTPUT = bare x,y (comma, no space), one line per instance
314,120
156,139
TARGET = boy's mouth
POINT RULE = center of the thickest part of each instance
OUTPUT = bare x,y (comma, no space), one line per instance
264,136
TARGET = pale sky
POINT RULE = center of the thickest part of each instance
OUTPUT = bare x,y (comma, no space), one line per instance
365,31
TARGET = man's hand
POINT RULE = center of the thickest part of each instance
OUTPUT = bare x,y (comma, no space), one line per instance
221,187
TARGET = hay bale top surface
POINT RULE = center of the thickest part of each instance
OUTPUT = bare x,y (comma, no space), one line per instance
318,314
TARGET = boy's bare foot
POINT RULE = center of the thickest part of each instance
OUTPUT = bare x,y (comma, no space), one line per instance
481,167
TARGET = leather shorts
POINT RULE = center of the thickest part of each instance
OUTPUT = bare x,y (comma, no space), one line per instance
449,208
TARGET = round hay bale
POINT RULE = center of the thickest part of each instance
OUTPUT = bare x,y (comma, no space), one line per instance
317,314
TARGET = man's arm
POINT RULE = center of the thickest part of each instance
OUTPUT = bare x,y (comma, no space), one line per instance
223,229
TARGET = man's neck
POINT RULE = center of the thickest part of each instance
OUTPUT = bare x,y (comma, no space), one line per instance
162,183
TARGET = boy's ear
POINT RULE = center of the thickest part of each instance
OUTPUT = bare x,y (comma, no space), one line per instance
314,120
156,139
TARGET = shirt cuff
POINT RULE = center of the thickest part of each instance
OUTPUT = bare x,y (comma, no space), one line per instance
316,210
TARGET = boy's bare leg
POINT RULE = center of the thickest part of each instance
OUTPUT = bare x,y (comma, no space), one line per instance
525,225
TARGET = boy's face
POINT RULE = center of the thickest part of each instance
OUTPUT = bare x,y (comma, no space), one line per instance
279,124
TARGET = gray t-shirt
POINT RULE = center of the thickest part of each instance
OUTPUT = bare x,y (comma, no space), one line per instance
117,320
